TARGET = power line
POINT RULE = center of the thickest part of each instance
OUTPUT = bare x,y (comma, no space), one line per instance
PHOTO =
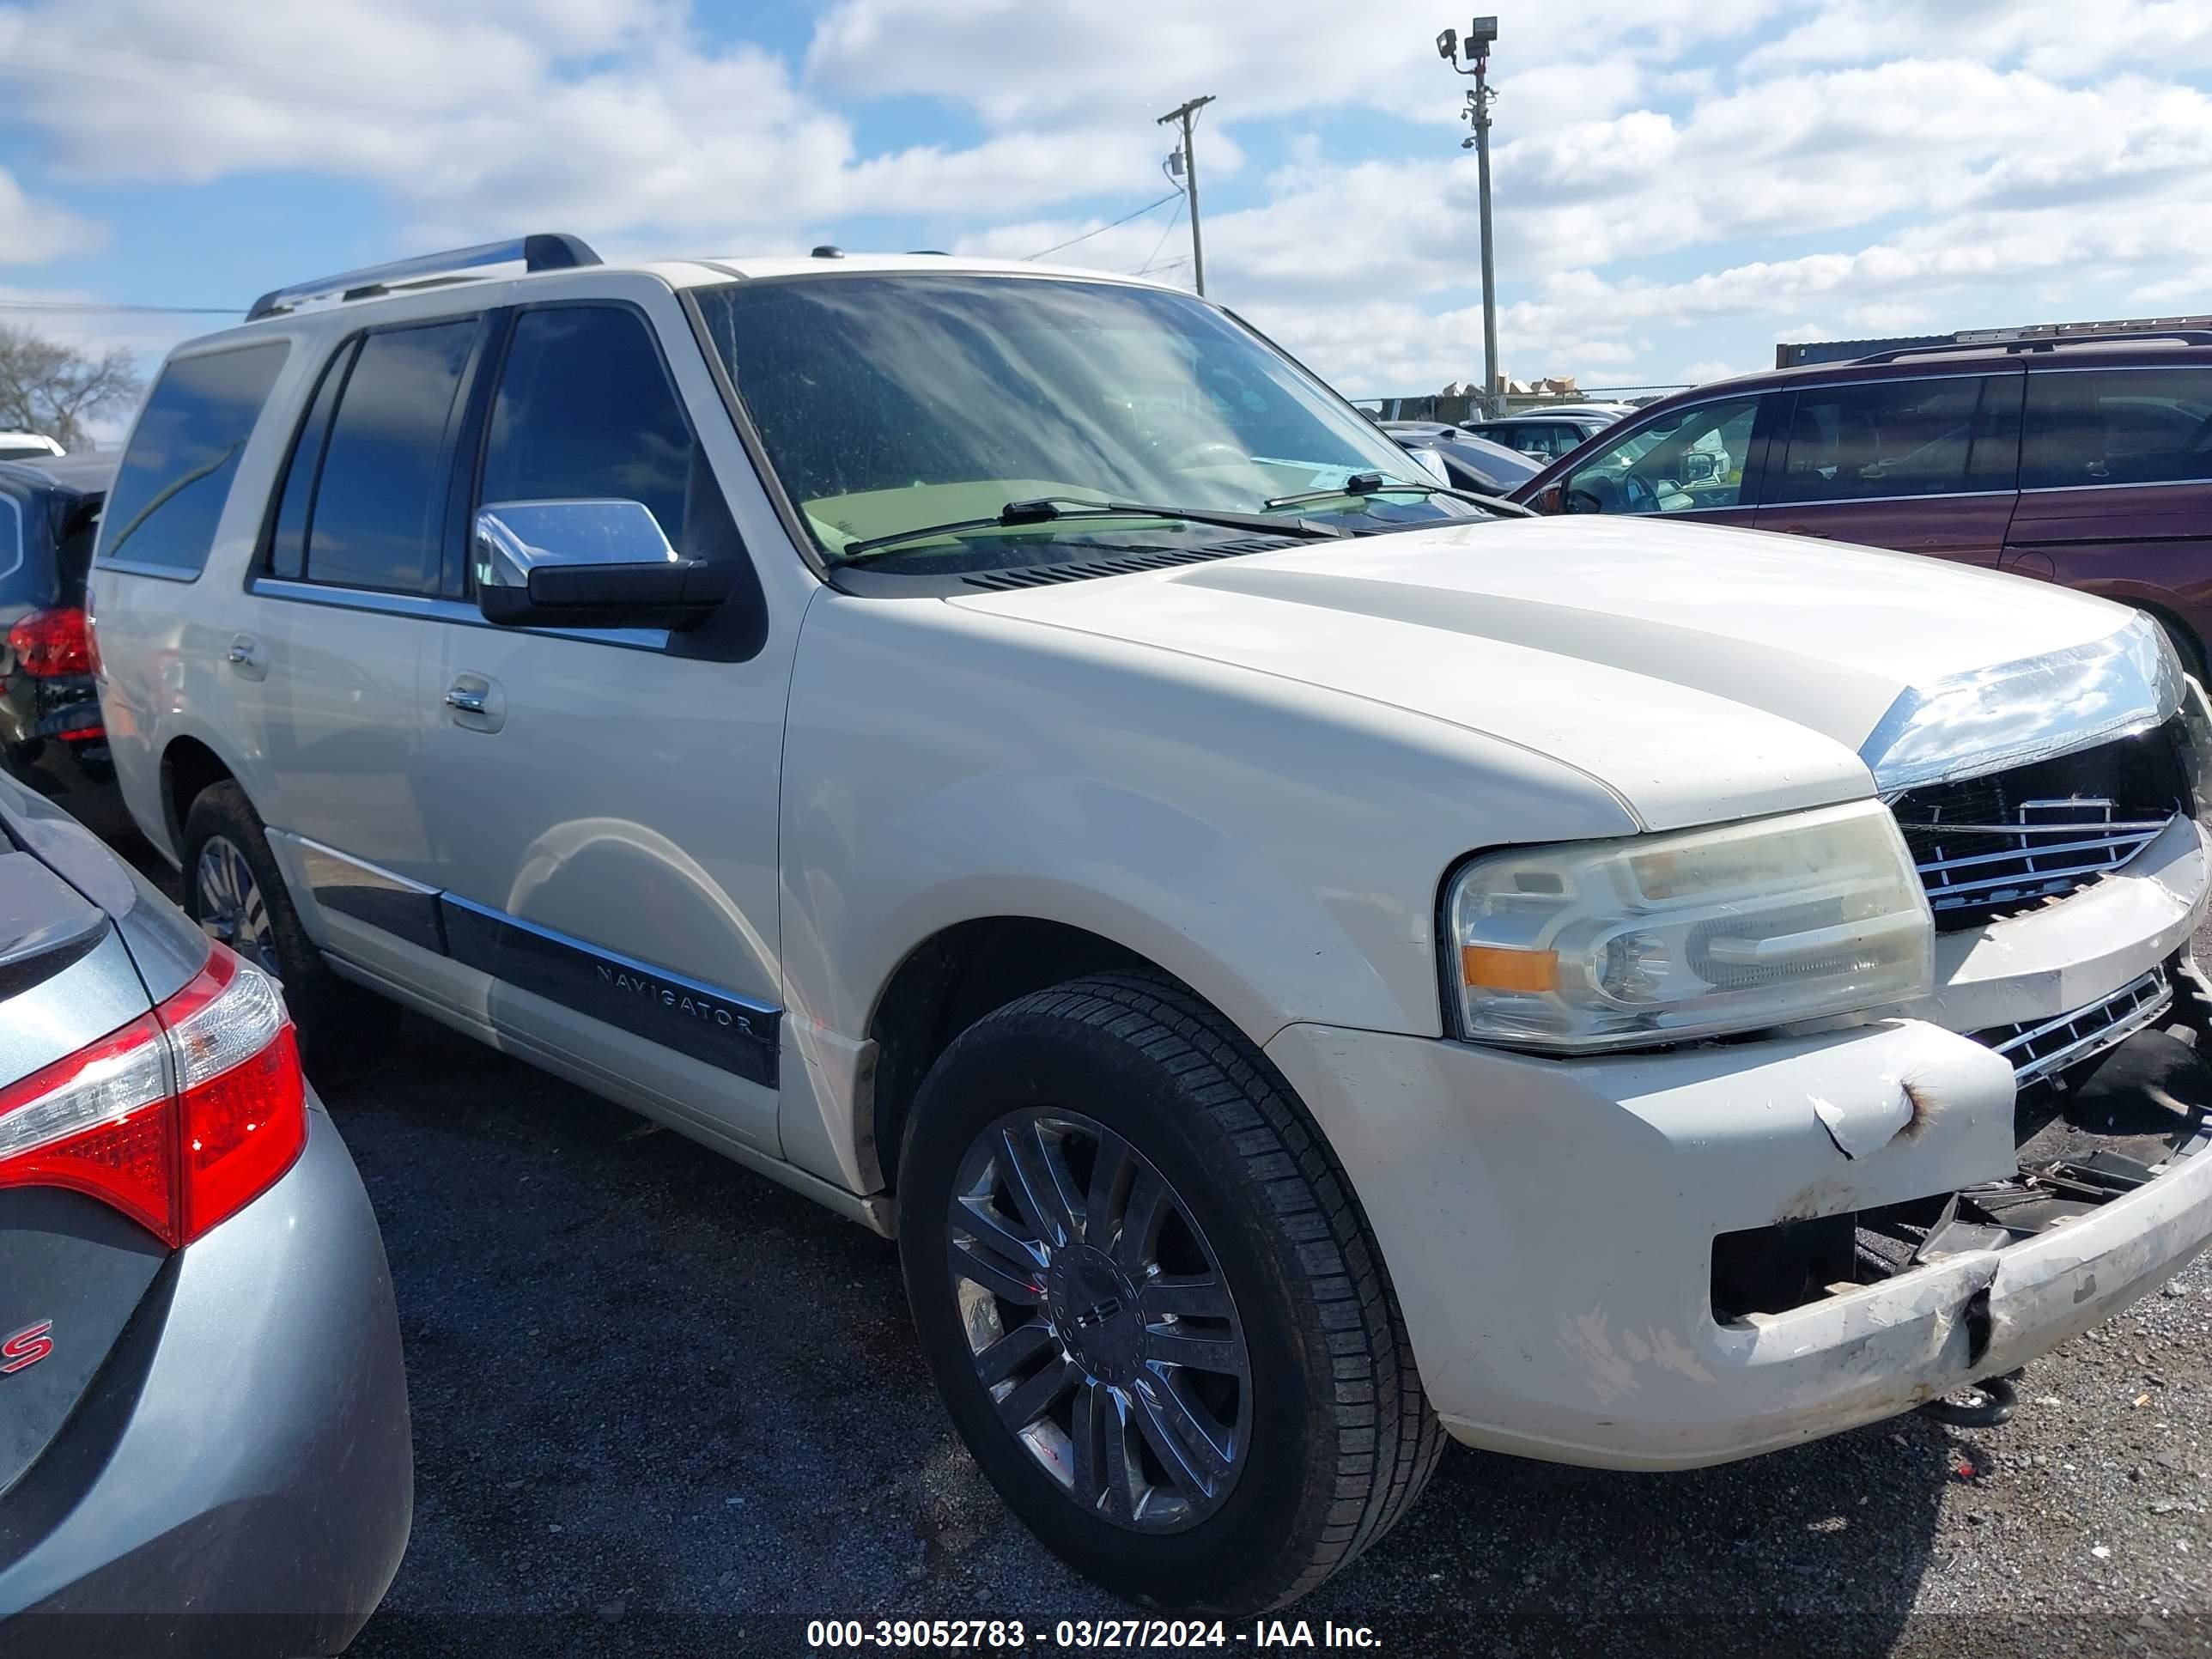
1173,220
1103,229
113,306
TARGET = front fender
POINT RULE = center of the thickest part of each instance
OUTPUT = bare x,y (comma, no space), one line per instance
1202,904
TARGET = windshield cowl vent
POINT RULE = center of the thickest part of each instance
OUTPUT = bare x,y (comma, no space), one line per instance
1122,564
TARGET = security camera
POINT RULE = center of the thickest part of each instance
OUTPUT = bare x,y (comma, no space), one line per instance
1448,43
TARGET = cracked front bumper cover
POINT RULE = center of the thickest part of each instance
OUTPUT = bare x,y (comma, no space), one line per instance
1549,1227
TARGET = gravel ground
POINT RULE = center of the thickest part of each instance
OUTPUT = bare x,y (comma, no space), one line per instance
662,1405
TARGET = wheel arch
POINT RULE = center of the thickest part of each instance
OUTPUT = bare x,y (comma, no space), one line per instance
189,768
949,981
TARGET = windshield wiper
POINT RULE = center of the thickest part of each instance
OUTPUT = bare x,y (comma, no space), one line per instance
1380,483
1051,509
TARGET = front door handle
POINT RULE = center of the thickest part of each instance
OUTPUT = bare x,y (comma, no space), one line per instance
246,656
476,702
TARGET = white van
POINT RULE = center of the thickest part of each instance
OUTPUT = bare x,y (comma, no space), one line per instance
1303,960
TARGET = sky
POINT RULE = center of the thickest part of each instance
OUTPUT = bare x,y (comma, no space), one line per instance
1679,184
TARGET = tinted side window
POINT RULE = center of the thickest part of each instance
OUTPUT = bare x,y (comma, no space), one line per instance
1880,437
2112,426
13,534
378,503
288,537
584,412
169,492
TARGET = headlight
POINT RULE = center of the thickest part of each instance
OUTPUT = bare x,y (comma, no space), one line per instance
1609,945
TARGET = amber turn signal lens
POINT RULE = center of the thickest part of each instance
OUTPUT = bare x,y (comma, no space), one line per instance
1497,967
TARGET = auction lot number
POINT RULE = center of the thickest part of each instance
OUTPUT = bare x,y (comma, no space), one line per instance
958,1634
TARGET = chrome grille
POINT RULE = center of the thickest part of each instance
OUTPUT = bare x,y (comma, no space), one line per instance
1989,846
2039,1049
2027,850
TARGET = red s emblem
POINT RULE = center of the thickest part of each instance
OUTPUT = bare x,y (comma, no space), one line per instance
26,1347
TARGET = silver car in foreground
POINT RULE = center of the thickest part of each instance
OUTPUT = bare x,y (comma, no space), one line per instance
204,1429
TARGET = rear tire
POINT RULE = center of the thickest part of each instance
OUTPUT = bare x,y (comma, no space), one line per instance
1263,1253
235,891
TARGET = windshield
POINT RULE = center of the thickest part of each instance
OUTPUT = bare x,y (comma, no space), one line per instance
892,403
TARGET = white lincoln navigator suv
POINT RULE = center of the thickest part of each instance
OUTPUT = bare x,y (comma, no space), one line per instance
1304,961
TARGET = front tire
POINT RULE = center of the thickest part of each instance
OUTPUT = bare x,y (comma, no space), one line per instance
235,891
1152,1304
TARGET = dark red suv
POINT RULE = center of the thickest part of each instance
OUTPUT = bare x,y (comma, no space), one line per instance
2084,460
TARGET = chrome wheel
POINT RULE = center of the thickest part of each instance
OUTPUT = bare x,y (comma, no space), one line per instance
1099,1320
230,905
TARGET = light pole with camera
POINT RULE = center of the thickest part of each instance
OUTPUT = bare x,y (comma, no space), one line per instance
1481,34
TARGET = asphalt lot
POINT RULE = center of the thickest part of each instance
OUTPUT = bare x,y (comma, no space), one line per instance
664,1406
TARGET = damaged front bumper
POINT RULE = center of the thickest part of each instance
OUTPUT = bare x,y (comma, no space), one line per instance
1560,1234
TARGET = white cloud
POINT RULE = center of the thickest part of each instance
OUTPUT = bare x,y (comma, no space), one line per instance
1890,317
33,231
1672,193
1022,62
2060,38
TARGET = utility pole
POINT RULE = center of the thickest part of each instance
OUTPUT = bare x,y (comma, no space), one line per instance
1480,33
1187,114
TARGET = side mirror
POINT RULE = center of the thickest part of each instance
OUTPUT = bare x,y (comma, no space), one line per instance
1551,499
589,564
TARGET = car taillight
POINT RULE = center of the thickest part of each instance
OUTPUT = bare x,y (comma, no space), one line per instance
50,643
179,1119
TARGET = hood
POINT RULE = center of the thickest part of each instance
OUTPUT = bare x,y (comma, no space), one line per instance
1698,673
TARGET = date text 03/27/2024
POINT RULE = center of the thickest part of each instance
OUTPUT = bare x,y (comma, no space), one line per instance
1009,1635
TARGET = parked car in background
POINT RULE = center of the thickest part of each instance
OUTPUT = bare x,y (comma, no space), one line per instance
2085,461
1584,411
51,734
26,446
203,1427
1254,925
1543,436
1470,463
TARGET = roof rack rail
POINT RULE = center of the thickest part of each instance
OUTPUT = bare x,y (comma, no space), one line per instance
548,252
2043,343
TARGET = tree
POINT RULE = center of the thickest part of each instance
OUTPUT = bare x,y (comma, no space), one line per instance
46,387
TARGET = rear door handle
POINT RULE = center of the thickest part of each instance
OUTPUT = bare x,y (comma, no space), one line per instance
477,702
246,656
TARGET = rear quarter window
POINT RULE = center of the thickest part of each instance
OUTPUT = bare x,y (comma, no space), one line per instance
2117,425
168,493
